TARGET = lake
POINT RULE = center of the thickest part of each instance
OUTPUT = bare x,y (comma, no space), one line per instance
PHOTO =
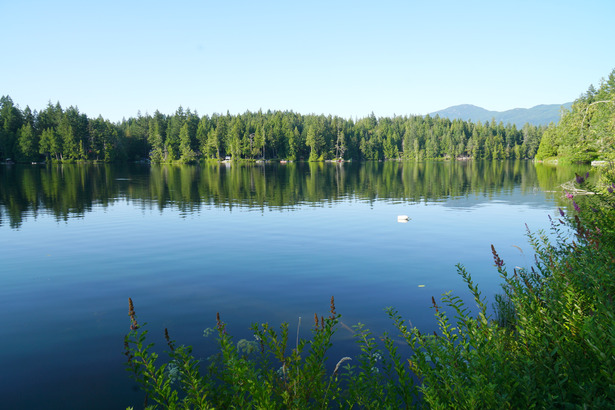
257,243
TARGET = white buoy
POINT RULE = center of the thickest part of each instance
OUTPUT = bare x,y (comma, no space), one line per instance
403,218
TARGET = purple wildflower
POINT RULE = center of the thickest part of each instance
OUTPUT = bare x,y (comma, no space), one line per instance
576,207
610,189
569,195
580,179
587,175
498,261
561,212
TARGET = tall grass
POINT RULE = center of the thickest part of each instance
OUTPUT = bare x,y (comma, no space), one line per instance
550,342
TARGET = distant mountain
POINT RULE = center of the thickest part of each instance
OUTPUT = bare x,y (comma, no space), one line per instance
538,115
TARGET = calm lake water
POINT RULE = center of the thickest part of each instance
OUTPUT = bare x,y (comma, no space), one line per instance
268,243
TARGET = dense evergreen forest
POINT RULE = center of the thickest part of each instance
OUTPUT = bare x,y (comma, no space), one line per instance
587,131
68,135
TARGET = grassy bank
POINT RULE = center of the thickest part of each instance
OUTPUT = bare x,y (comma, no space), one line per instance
549,343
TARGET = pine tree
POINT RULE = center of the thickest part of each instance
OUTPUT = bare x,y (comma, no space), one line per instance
28,145
69,143
50,144
155,140
187,155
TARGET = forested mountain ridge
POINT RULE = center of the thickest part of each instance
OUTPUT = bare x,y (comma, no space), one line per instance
67,135
543,114
586,132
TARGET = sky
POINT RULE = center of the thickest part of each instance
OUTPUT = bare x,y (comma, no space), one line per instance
347,58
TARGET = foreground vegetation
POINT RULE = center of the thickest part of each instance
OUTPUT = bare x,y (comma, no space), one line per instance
549,343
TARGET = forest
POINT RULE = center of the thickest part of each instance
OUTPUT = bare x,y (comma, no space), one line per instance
67,135
587,131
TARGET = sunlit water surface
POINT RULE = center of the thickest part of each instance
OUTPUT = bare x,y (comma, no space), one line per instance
256,244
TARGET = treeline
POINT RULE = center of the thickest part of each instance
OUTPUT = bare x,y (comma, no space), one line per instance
587,131
67,135
61,135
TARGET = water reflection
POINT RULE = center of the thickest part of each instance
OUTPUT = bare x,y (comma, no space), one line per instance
70,281
67,191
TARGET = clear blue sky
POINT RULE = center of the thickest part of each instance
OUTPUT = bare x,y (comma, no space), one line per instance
347,58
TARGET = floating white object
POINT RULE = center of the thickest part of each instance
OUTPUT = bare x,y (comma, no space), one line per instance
402,218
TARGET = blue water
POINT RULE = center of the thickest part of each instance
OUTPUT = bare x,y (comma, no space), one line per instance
65,282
